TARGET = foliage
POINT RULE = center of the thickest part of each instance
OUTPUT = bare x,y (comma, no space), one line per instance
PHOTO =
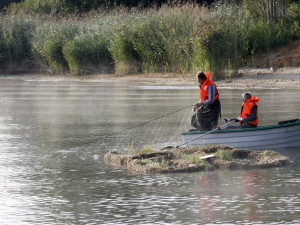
218,40
270,154
176,25
224,155
258,37
148,43
122,47
56,6
173,38
156,164
49,41
145,149
62,6
194,158
87,50
255,9
15,43
131,148
3,47
293,21
6,3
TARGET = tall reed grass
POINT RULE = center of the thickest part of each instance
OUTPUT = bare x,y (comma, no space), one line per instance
179,39
16,35
44,6
49,41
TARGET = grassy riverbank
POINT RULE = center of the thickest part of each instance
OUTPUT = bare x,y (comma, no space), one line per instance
172,39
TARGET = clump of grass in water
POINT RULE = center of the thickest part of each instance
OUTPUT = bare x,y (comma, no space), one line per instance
145,149
157,165
131,149
224,155
193,158
270,154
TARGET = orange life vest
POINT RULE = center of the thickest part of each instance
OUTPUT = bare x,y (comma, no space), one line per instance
204,87
247,107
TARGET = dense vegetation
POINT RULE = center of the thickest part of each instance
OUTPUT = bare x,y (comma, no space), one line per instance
67,6
171,38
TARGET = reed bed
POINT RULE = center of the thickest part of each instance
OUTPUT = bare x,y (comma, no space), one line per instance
178,39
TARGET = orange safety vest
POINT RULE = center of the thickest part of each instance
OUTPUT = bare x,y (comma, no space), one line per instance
247,107
204,87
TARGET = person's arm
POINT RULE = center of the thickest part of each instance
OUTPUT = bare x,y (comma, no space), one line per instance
253,114
211,96
211,90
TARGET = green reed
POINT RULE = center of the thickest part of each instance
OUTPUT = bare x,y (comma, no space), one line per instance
49,41
122,47
42,6
16,35
88,50
179,39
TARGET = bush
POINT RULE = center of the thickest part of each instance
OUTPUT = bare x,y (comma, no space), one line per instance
49,41
154,42
217,41
224,155
148,43
176,26
3,48
293,20
87,52
258,38
16,36
179,39
121,47
34,6
45,6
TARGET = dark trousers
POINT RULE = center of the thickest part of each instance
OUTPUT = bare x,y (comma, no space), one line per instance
207,116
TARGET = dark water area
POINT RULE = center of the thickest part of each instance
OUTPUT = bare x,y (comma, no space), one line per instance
52,172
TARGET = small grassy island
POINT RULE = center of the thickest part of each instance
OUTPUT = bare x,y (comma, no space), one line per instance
192,159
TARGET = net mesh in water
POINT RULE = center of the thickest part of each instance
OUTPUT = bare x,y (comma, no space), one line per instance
155,134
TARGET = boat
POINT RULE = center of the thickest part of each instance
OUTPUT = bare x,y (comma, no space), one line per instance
284,134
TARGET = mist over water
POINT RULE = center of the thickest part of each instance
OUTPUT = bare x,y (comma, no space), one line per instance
52,169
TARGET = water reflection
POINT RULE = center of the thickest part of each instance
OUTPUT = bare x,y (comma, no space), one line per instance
250,184
52,168
209,195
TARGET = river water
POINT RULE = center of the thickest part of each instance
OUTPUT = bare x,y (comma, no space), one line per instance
51,171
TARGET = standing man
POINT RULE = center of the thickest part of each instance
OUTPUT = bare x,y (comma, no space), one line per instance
208,109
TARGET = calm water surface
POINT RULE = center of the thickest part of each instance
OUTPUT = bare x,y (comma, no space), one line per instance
51,174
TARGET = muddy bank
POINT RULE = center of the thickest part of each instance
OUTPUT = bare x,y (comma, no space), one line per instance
264,78
204,158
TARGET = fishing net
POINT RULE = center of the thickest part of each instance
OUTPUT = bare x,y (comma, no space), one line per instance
154,134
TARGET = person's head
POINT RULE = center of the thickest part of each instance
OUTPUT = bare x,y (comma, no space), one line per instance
201,78
246,96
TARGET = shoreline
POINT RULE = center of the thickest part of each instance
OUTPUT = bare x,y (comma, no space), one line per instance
286,77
